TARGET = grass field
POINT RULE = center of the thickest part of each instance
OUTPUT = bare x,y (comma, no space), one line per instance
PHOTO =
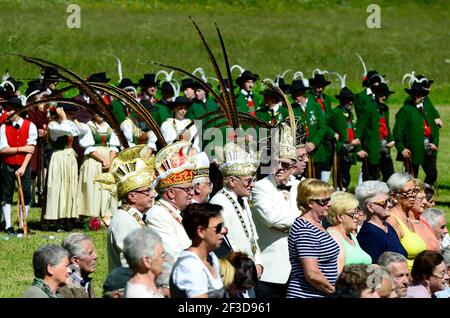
266,37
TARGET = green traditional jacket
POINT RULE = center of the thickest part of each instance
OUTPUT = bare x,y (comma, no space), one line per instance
337,120
316,124
329,133
198,109
368,131
118,110
409,132
265,114
428,106
162,113
242,104
361,100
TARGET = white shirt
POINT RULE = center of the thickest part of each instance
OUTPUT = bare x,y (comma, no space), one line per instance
87,141
191,278
64,128
32,134
172,128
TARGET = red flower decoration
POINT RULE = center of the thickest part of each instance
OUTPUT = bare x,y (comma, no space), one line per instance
95,224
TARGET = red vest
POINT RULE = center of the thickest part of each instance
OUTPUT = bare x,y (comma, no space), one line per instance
16,138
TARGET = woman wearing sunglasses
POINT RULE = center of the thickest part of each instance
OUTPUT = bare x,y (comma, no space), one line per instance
313,252
404,192
343,215
376,236
196,272
421,226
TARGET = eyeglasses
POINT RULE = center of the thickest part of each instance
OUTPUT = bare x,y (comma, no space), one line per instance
322,202
409,193
441,275
187,190
210,185
286,165
303,157
146,192
382,204
163,255
218,228
355,214
247,182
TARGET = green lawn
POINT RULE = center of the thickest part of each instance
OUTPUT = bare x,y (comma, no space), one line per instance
266,37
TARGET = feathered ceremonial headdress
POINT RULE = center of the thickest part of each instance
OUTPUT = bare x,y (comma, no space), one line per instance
174,164
128,171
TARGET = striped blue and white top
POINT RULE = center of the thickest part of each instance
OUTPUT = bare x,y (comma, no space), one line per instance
305,240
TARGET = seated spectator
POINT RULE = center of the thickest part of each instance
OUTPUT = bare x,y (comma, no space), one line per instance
114,285
364,281
51,271
435,218
145,255
420,225
312,252
343,215
446,292
196,272
238,273
376,236
83,260
403,193
396,264
429,274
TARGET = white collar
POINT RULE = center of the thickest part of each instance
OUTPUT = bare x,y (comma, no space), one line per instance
243,91
368,91
20,122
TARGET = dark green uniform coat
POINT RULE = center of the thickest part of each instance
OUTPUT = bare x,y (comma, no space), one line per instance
337,121
316,123
361,100
368,131
265,114
409,132
163,112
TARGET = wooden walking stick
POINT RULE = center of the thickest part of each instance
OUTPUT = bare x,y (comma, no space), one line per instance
408,166
23,220
335,167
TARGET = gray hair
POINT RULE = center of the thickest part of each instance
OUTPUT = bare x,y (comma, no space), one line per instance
73,244
387,258
369,189
397,181
446,254
45,255
138,244
432,216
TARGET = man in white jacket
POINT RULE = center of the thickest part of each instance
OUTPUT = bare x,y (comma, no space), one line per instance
275,210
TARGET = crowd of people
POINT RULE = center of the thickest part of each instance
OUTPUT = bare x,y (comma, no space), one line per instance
187,223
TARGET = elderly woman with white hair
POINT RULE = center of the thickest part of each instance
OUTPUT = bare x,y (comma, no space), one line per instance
343,216
404,192
145,255
376,236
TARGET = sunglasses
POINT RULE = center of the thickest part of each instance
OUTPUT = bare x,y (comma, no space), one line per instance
322,202
355,214
218,228
382,204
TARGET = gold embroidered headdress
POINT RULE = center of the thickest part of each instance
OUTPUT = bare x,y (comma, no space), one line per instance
201,165
237,158
128,171
175,164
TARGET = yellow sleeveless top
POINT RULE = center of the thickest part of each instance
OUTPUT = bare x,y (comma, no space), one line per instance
411,241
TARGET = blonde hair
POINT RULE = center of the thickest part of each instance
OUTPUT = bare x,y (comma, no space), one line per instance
310,189
341,202
227,272
419,184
